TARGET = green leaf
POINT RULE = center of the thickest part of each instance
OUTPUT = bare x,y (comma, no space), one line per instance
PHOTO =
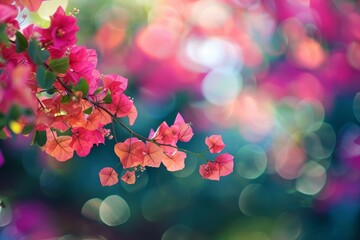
82,86
20,42
37,55
44,77
107,99
65,133
97,91
3,120
88,111
40,138
28,111
14,112
3,134
59,65
65,99
3,36
27,129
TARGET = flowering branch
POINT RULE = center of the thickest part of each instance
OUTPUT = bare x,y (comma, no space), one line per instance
72,103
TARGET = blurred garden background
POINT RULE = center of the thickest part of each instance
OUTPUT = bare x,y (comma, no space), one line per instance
277,78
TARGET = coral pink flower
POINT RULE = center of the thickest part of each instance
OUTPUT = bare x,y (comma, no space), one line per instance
129,177
185,130
168,135
108,176
115,83
175,161
130,152
32,5
210,171
215,143
222,166
226,164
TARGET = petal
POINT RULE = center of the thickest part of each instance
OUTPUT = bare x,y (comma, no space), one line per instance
129,177
174,162
130,152
108,176
210,171
215,143
226,163
153,155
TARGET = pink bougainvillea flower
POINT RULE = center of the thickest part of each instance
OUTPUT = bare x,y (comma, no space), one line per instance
83,140
80,143
43,120
108,176
168,136
121,105
222,166
7,13
96,136
130,152
97,119
32,5
153,155
58,147
185,130
151,133
62,30
74,116
226,164
6,2
12,58
215,143
175,161
30,31
82,61
115,83
14,89
210,170
132,115
129,177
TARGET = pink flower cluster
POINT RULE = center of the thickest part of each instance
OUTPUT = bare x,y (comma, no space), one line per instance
72,111
161,148
223,164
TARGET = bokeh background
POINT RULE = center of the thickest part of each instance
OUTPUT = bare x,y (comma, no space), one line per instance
277,78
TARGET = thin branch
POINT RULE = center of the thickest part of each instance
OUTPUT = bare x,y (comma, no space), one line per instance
119,122
41,104
64,86
131,132
114,132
